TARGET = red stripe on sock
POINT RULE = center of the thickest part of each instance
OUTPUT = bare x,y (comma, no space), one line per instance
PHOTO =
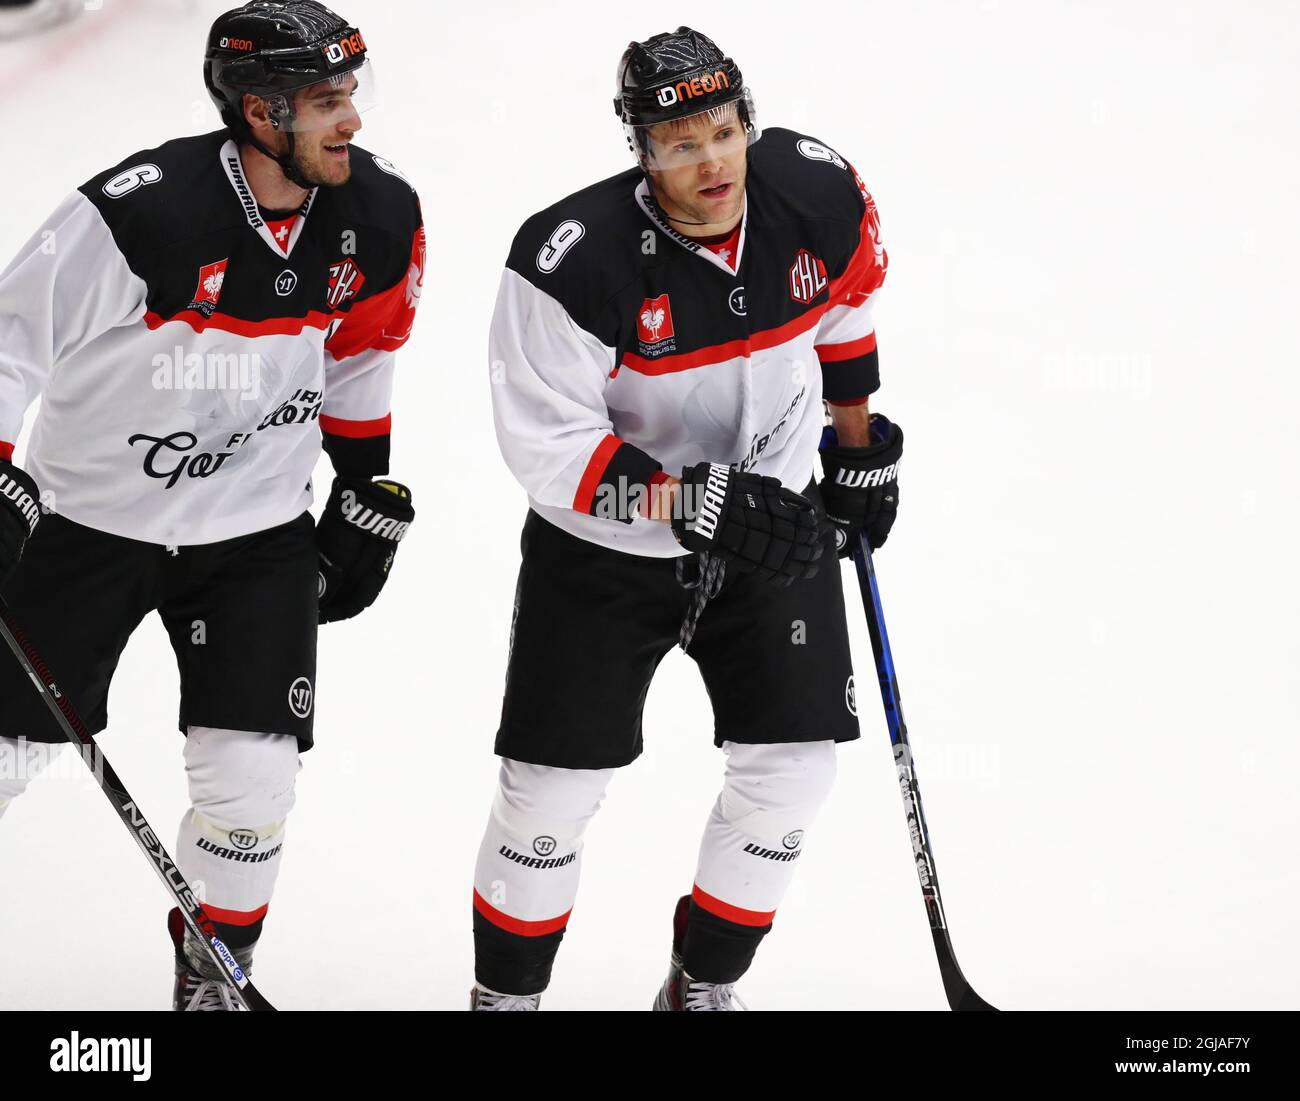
235,917
516,925
725,910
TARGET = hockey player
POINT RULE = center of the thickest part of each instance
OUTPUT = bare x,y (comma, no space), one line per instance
661,350
196,320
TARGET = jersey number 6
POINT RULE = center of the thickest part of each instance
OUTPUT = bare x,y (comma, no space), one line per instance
126,182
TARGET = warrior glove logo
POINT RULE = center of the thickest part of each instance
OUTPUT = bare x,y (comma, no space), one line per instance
369,520
715,492
26,505
866,479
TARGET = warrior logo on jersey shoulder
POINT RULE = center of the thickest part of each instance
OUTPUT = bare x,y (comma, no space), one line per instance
345,281
807,277
211,279
654,326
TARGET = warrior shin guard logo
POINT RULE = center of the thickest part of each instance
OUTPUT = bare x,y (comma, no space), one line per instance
773,854
539,864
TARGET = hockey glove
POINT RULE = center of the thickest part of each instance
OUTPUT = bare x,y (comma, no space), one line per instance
860,489
20,511
357,538
749,521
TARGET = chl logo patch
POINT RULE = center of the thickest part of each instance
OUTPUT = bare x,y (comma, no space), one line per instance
654,321
345,281
300,697
807,277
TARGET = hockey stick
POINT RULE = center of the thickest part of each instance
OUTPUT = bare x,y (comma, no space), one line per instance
75,731
961,995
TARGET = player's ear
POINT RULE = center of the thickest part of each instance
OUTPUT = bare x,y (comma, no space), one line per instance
256,113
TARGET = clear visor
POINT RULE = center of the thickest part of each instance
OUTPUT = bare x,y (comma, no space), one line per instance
327,104
712,135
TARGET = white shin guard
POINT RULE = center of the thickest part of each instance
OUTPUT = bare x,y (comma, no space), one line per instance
242,789
754,836
526,879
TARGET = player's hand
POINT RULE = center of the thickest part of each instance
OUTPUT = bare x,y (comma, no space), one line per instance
20,511
750,521
357,538
860,490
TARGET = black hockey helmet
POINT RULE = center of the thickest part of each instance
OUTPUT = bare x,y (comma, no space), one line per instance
676,75
274,48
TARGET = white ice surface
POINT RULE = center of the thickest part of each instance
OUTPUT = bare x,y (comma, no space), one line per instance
1090,334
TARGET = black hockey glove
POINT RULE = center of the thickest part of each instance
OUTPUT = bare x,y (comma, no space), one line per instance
860,490
749,521
20,511
357,538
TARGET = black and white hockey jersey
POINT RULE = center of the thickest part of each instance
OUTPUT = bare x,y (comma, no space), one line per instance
189,353
620,348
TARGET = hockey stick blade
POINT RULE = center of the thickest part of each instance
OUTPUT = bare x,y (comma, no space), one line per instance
159,859
961,995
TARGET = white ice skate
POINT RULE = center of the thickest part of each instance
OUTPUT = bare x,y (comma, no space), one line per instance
194,992
680,992
483,1000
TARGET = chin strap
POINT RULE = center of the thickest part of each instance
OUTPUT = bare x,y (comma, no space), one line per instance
654,199
285,160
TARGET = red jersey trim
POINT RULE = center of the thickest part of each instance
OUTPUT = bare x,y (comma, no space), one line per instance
850,288
357,430
517,925
837,353
728,912
842,402
274,326
6,451
235,917
721,353
383,321
596,467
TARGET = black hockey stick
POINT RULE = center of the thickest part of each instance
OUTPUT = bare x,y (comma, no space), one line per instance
75,731
961,995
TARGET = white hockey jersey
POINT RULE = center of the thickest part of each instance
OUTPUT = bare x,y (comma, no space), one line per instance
620,348
189,359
